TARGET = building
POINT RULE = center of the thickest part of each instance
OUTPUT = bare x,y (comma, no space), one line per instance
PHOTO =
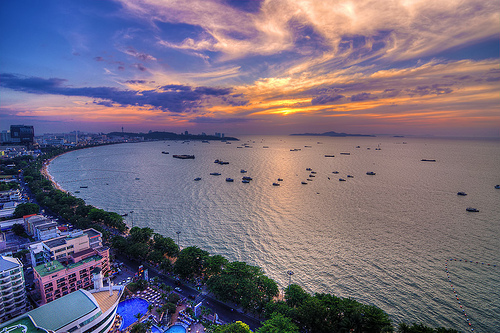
40,227
68,263
22,134
13,300
79,312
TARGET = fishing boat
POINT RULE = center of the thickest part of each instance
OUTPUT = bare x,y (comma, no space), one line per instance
165,152
304,183
215,174
470,209
345,153
427,160
229,180
276,184
247,178
329,155
280,179
197,179
370,173
341,180
243,171
462,193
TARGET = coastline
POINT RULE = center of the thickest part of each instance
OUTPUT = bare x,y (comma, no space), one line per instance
47,175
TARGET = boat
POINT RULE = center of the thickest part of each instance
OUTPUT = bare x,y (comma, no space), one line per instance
84,186
215,174
276,184
184,157
313,172
497,187
329,155
246,181
358,147
341,180
204,141
470,209
243,171
335,172
280,179
197,178
126,214
461,193
77,191
137,178
309,180
427,160
296,149
312,176
308,169
229,180
370,173
265,147
217,161
165,152
349,176
304,183
247,178
345,153
308,146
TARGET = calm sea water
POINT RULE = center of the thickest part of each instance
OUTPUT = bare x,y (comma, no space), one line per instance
382,239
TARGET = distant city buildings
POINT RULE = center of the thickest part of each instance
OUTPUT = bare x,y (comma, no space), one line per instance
13,294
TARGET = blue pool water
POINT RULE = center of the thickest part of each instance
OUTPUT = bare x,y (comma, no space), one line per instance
129,308
176,329
155,329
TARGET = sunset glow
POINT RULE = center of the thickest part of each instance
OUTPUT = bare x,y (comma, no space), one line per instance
244,67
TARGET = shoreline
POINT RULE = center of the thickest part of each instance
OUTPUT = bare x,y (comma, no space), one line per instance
45,172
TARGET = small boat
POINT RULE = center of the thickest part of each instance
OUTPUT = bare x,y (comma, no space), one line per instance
126,214
470,209
280,179
349,176
204,141
358,147
341,180
312,176
313,172
84,186
296,149
308,146
165,152
461,193
309,180
197,179
246,181
184,157
345,153
215,174
427,160
335,172
276,184
217,161
77,191
329,155
243,171
308,169
229,180
370,173
247,178
137,178
265,147
304,183
497,187
368,148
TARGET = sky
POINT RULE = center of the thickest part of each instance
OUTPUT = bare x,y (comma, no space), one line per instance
397,67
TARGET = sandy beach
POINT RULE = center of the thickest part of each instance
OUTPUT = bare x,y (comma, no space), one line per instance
46,174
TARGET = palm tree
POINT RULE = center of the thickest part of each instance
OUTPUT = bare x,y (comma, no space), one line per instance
138,316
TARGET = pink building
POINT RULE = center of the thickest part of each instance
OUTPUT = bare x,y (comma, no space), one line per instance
71,260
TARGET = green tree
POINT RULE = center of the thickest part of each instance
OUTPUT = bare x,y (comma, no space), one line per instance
237,327
190,262
26,209
278,324
139,328
18,230
295,295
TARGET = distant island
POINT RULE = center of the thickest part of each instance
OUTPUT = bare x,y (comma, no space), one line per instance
332,133
151,136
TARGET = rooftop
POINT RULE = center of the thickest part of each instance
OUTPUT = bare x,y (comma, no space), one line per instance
25,322
92,233
8,263
68,308
49,268
104,300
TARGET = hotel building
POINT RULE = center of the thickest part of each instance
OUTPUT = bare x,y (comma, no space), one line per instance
13,294
68,263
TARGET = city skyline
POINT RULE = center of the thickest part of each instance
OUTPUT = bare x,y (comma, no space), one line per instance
251,67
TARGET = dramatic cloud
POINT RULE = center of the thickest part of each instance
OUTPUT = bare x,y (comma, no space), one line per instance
173,98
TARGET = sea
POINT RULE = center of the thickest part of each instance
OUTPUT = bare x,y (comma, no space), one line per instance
400,239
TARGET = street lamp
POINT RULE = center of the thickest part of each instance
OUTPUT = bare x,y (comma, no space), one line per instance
178,242
290,273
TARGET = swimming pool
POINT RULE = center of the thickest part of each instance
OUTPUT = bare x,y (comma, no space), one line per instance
129,308
176,329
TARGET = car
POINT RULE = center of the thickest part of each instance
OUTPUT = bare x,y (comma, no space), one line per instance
178,289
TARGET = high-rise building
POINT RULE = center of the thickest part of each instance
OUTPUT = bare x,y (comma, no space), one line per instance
13,294
22,134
